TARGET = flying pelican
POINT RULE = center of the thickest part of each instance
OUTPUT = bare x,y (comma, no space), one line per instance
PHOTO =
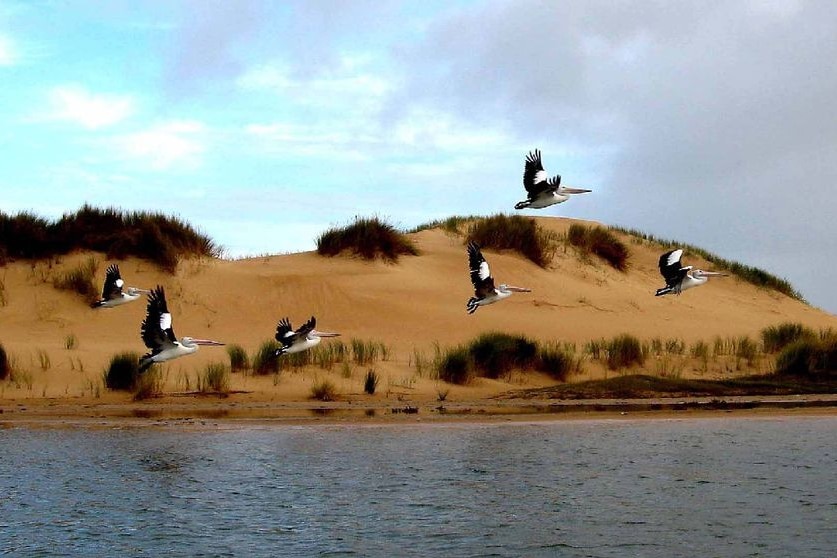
484,290
112,293
158,335
543,191
300,340
679,278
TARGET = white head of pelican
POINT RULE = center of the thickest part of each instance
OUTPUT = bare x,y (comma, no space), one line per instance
484,290
158,335
543,191
300,340
679,278
112,291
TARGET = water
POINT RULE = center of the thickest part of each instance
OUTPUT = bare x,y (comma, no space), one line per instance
698,487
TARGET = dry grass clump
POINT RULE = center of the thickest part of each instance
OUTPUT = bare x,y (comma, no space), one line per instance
370,382
601,242
122,372
451,225
521,234
624,351
214,379
238,358
369,237
148,384
80,279
152,236
809,357
5,368
265,361
324,390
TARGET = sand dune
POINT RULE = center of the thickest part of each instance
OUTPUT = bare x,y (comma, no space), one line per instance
409,306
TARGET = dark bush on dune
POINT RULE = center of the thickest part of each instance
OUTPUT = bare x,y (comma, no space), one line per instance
156,237
369,238
600,242
123,371
623,351
776,338
497,354
521,234
455,366
4,363
809,357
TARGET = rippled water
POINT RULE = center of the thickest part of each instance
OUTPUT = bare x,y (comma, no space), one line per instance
705,487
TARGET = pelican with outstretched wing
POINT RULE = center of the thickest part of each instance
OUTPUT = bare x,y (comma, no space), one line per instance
484,290
543,191
302,339
679,278
112,291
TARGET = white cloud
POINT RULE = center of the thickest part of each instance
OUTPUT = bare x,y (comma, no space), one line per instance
166,145
73,103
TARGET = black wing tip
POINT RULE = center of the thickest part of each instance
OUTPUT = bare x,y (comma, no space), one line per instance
534,156
112,269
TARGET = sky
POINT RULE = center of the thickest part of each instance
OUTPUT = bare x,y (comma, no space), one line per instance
265,123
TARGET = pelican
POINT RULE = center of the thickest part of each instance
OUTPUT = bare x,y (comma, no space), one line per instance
112,293
300,340
542,190
484,290
679,278
158,335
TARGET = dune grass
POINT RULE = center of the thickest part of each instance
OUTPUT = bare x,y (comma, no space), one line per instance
324,390
264,361
810,357
750,274
368,237
215,378
775,338
370,382
5,368
80,279
148,384
238,358
451,225
122,372
151,236
514,232
600,242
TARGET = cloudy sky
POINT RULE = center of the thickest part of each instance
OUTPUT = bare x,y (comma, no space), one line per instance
263,123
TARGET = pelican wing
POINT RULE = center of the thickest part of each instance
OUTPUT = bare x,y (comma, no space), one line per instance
156,330
480,273
307,327
534,176
113,283
285,333
671,267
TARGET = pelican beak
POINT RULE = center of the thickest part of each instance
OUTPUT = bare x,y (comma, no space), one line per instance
715,274
325,334
143,291
574,190
207,342
518,289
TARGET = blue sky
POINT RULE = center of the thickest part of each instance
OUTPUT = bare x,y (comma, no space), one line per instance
263,123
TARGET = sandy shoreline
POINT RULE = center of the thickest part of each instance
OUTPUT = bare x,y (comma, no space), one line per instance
216,412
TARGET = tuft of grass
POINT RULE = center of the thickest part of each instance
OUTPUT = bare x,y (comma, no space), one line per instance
624,351
558,362
775,338
451,225
370,382
215,378
496,354
746,349
80,279
122,372
264,361
600,242
5,367
238,358
43,359
455,366
808,357
324,390
326,355
700,351
4,297
148,384
367,352
369,237
515,232
752,275
71,342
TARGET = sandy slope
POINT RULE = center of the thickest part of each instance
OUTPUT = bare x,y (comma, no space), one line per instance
408,306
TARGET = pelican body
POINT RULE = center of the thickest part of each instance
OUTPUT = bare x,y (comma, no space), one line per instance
679,278
112,293
484,290
158,334
300,340
543,191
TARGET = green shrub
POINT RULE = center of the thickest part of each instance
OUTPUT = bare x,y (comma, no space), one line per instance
370,383
4,363
81,279
215,378
369,238
264,361
455,366
496,354
515,232
557,362
623,351
122,372
324,390
808,357
601,242
238,358
776,338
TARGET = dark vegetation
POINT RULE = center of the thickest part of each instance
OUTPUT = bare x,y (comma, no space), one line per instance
450,225
751,274
496,355
123,371
521,234
4,363
238,358
324,390
370,238
370,382
600,242
264,362
624,351
809,357
80,279
152,236
776,338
